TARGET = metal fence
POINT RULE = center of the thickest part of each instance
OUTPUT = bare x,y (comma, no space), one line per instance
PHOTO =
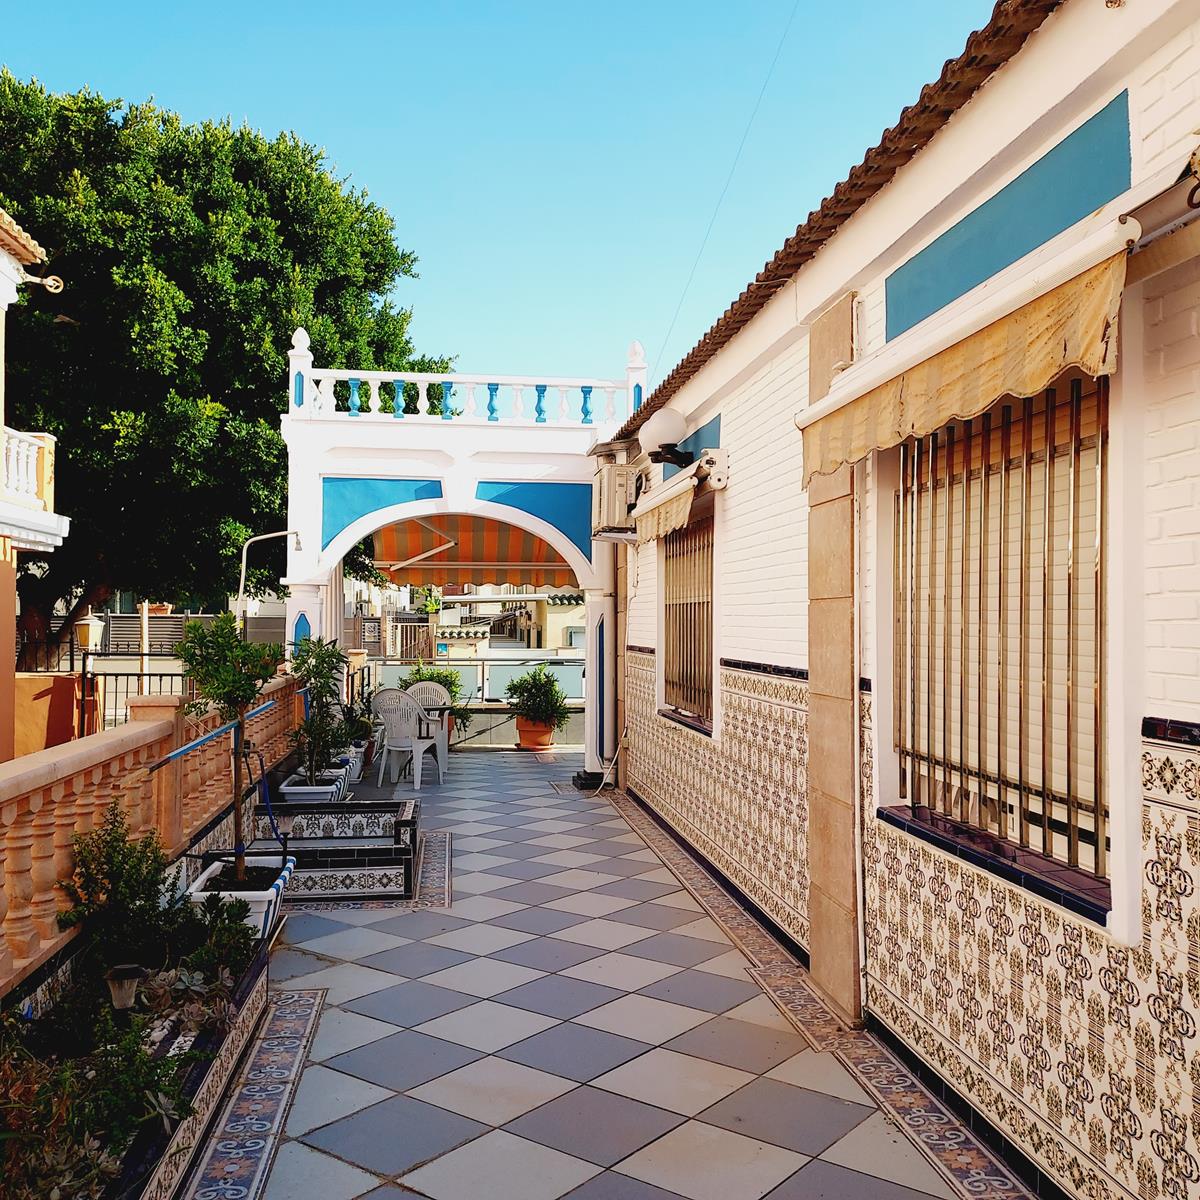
485,678
106,693
47,653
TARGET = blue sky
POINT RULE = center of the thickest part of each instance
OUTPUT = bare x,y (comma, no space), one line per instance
554,165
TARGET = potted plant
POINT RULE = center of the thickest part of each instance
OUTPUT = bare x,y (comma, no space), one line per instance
318,665
229,674
360,724
540,706
451,680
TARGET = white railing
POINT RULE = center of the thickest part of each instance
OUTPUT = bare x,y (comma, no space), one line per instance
21,452
322,392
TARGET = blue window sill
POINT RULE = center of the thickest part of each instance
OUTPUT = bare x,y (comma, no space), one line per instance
1075,890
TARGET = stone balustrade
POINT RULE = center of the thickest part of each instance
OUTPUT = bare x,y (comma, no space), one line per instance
48,797
28,468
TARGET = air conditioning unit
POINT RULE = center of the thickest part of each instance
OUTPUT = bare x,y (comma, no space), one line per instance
614,492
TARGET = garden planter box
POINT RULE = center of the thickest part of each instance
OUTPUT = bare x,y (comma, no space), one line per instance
158,1162
334,784
353,759
265,905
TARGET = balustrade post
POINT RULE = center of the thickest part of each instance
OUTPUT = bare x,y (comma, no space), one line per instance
635,377
19,930
301,400
64,796
7,816
43,902
167,783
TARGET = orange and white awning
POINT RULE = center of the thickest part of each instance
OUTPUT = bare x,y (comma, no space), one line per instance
452,548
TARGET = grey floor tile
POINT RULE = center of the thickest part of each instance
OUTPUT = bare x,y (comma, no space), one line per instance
657,916
627,867
754,1048
877,1147
700,989
353,944
547,954
416,926
678,949
637,889
302,927
404,1060
792,1117
612,1186
416,959
288,963
525,870
575,1051
395,1135
300,1170
559,996
410,1003
532,892
538,920
324,1096
601,1127
821,1180
522,850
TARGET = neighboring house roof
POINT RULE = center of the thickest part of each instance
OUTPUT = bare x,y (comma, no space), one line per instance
570,599
18,243
987,50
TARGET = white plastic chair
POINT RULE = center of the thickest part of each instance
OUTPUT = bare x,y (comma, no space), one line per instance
429,694
402,717
380,696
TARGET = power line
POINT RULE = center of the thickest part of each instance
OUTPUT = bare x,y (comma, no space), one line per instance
720,199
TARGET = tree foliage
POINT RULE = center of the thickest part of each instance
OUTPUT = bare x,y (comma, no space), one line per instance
190,254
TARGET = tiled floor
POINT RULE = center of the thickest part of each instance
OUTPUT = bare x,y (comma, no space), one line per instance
573,1026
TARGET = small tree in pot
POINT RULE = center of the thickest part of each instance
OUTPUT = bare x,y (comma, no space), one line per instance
229,674
319,665
540,706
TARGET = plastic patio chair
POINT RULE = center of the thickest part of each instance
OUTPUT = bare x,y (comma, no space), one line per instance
402,721
429,694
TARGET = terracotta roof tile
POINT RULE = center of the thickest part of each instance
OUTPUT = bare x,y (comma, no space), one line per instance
987,50
18,243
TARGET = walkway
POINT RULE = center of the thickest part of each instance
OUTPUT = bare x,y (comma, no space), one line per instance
573,1026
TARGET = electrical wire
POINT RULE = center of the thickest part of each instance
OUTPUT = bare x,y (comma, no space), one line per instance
721,198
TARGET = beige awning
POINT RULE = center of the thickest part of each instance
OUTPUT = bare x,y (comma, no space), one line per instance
655,520
1073,325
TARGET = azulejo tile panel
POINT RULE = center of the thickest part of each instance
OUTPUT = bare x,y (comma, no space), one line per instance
741,800
1083,1051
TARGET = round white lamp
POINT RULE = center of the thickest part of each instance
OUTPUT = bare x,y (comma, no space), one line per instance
660,436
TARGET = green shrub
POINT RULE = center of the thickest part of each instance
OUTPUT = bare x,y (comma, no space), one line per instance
318,665
450,679
536,696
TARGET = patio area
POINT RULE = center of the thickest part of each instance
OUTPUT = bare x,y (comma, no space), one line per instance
573,1025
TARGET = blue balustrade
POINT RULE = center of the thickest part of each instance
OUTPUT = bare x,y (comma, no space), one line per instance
355,403
447,388
398,402
637,396
586,411
539,409
298,389
493,391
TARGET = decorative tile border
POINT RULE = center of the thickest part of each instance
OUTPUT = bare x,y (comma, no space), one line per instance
953,1149
237,1158
434,882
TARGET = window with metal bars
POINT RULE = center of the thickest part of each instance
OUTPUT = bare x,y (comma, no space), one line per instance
688,631
999,585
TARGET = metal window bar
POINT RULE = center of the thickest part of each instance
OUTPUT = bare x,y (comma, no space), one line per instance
999,688
687,664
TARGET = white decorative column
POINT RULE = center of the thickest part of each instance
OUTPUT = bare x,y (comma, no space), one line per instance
600,658
305,613
636,380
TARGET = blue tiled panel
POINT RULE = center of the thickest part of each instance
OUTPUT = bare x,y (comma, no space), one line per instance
1083,172
344,500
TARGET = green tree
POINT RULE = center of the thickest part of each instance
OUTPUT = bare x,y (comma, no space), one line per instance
190,253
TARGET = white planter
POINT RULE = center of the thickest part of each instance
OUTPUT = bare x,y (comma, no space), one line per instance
264,905
334,785
355,755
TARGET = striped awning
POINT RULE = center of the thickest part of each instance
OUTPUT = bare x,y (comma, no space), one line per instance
451,548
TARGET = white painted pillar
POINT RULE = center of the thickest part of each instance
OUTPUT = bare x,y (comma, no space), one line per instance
305,613
636,378
600,659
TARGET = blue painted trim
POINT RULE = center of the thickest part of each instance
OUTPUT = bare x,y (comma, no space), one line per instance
344,500
301,629
637,396
586,410
398,402
298,389
493,390
447,388
1083,172
707,437
566,506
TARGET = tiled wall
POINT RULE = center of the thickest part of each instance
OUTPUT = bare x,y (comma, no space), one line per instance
1082,1051
742,801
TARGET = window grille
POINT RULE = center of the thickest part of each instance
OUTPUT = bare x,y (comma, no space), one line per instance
999,615
688,650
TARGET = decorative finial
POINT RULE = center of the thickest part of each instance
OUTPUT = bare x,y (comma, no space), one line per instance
300,339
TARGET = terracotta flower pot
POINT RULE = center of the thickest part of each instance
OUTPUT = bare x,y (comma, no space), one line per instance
534,735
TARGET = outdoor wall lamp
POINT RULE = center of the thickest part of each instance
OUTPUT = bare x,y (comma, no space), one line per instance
260,537
660,437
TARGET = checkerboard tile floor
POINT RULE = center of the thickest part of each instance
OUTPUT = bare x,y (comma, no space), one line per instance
572,1027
